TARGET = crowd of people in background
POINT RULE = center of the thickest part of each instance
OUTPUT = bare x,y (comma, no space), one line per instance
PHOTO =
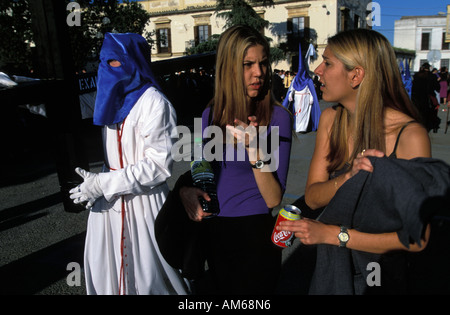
189,91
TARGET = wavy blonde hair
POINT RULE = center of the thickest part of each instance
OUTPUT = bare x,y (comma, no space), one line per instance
230,96
381,87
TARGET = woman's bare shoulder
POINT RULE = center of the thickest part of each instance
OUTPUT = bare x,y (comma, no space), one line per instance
328,113
414,142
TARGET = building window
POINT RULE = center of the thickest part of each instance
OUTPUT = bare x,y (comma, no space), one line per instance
163,40
345,19
445,46
445,63
297,28
202,33
425,43
202,28
422,62
357,21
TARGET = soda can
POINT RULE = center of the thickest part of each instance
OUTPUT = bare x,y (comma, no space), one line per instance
284,238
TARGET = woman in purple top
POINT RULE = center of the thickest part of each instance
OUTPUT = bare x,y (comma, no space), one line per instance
251,173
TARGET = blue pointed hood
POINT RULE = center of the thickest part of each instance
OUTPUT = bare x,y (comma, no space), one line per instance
118,89
302,78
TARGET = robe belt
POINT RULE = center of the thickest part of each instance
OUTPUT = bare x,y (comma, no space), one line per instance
122,235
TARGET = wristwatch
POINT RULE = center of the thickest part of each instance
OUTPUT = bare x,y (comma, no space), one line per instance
343,237
258,164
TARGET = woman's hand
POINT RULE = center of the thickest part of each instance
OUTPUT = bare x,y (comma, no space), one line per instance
189,197
310,232
246,134
242,133
361,162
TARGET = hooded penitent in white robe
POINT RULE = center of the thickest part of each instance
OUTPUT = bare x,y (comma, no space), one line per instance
139,188
301,98
302,102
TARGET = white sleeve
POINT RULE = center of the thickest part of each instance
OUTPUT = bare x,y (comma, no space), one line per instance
158,122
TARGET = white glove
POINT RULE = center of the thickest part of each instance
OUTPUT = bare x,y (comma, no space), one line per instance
88,191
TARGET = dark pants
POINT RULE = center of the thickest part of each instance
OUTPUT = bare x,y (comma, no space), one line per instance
241,256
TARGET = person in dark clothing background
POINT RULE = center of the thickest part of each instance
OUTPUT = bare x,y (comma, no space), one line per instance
277,86
443,82
424,97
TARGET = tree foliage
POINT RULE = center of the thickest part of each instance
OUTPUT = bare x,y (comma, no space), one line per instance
102,16
206,46
239,12
97,18
15,34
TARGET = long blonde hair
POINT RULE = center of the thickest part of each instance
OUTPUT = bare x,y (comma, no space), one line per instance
230,98
381,87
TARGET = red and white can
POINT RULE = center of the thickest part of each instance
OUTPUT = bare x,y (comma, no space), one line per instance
284,238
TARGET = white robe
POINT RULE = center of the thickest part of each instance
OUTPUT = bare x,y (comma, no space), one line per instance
303,101
146,145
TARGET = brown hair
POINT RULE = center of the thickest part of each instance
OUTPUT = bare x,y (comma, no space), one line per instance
230,98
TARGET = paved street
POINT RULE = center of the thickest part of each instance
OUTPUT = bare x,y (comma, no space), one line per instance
38,239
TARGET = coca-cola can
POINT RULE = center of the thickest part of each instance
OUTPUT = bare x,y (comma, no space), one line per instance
284,238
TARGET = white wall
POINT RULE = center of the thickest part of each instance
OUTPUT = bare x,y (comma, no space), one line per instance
408,34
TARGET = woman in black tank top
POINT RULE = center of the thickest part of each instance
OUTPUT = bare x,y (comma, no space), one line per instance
374,117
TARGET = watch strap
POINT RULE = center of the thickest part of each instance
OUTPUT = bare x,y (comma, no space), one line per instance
256,163
343,236
261,164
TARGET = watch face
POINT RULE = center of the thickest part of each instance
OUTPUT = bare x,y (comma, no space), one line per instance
259,164
343,237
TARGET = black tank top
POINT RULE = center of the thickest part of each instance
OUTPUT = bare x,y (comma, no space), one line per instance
394,152
393,155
